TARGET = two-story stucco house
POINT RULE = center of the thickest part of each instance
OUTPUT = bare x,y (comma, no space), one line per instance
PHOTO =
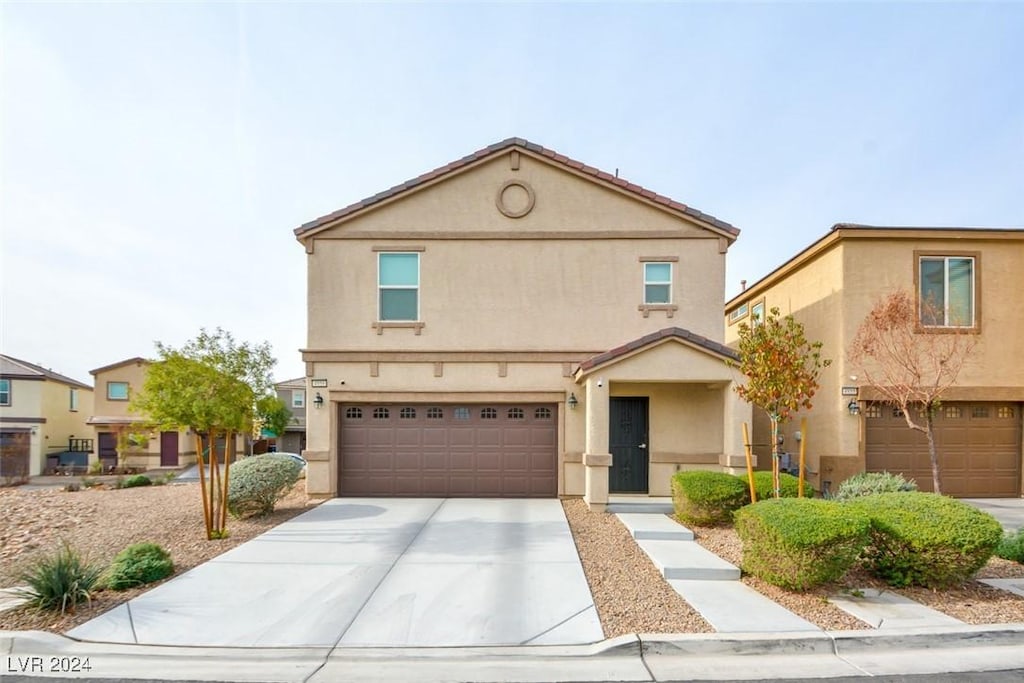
517,323
42,417
120,435
293,393
830,287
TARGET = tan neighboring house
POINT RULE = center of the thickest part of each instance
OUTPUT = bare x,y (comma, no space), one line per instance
42,419
293,393
121,438
832,284
516,324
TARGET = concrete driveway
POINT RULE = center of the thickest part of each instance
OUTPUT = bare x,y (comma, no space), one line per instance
378,572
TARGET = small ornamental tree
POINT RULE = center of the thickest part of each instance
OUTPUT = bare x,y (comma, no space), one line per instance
273,415
213,386
909,365
782,368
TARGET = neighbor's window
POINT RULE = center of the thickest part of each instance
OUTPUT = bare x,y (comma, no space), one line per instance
657,283
398,281
757,313
738,313
117,391
946,291
298,398
5,392
73,400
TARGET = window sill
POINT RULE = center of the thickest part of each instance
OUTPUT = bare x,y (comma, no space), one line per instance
943,329
670,309
381,326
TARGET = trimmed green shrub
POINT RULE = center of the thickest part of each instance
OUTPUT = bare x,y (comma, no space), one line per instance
707,498
1012,547
870,483
258,482
136,480
59,581
789,485
799,543
924,539
139,564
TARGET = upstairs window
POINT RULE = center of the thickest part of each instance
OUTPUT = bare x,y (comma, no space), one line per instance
5,392
73,400
757,313
657,283
117,391
298,398
398,283
946,291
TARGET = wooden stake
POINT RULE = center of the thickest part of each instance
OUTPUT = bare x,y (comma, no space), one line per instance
202,484
803,455
750,463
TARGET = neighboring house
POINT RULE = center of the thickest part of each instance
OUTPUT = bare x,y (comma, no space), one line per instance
42,419
515,324
122,439
293,393
831,286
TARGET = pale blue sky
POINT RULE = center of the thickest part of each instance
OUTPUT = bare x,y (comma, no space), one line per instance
156,157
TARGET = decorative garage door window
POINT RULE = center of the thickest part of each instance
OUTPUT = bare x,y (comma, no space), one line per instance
462,413
953,412
435,413
489,414
381,413
407,413
542,413
353,413
516,414
1005,412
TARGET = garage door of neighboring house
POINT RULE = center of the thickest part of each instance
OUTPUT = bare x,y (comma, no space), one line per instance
979,447
485,450
15,449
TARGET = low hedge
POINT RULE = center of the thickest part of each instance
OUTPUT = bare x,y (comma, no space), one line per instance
789,486
1012,547
707,498
924,539
799,543
136,480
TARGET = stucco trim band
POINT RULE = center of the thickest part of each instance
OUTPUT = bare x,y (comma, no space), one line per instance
597,459
342,396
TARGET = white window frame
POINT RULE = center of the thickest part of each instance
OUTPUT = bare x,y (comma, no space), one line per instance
298,398
73,400
945,258
5,391
127,390
739,313
658,282
381,288
757,312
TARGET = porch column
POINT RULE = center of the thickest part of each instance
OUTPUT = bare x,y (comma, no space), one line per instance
596,458
735,411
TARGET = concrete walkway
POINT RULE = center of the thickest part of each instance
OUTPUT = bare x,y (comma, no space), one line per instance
374,572
1009,511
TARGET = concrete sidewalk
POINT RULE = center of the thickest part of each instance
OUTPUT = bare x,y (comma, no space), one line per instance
702,657
377,572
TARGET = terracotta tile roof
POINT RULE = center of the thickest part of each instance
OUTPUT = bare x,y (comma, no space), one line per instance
654,337
532,147
14,368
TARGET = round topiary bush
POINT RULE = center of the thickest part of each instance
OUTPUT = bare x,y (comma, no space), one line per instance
789,486
137,565
258,482
707,498
799,543
870,483
924,539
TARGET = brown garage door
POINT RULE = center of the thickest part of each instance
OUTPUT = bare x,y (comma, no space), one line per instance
486,450
15,447
979,446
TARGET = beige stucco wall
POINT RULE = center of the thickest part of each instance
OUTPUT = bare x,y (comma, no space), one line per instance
61,422
133,373
27,402
834,292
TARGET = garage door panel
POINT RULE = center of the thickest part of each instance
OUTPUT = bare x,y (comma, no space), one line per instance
979,447
465,450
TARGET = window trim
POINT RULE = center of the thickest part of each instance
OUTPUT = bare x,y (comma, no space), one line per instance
297,393
381,288
975,256
127,391
9,391
73,400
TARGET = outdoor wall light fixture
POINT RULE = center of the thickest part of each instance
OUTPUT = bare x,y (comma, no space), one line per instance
319,400
853,407
573,401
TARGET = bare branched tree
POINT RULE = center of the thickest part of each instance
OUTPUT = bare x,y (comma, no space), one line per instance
910,365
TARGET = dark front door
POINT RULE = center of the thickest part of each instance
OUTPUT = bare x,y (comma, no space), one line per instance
107,449
627,441
168,449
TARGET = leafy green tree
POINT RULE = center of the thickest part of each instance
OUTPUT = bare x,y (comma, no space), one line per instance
782,368
274,415
212,385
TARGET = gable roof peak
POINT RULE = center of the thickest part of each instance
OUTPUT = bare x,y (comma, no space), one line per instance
725,229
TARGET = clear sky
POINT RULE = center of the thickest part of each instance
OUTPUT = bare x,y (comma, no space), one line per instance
155,158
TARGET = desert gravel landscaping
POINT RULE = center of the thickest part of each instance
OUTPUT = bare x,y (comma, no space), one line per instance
629,592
